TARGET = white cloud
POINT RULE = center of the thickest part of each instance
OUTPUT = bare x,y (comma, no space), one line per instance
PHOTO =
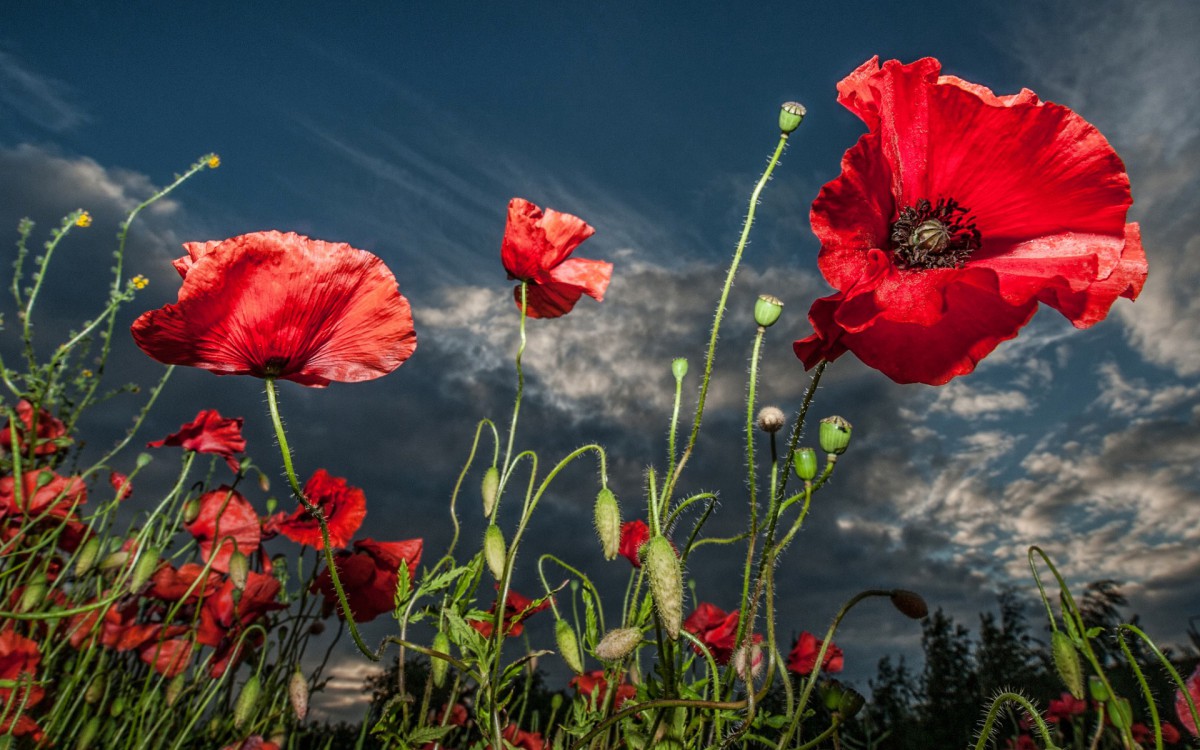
978,402
38,99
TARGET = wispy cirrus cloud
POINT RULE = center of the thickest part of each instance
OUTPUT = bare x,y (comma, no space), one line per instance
37,99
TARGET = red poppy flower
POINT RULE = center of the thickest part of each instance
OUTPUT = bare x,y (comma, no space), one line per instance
1182,711
522,739
282,306
49,432
517,609
633,535
120,483
19,659
596,684
1065,707
344,507
209,432
716,629
535,249
369,575
44,494
183,584
253,742
955,216
803,656
226,522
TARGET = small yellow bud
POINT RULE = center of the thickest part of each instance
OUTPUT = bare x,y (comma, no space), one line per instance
86,373
84,219
214,161
139,282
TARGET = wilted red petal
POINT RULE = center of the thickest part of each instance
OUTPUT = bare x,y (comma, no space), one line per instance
226,522
283,306
344,508
121,484
209,432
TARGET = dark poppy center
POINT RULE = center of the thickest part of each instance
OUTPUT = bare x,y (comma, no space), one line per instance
927,235
274,366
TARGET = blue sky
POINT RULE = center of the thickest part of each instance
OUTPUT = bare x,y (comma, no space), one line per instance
404,131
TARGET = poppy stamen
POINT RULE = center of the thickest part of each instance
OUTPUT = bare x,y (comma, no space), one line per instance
934,236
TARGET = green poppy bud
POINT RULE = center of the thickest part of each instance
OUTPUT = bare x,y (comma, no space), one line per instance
87,737
87,556
247,701
679,368
439,667
175,689
494,552
568,645
791,114
617,644
143,460
1066,662
851,703
805,462
239,569
33,595
144,568
666,583
298,693
114,561
834,435
191,509
608,523
1097,690
767,310
1120,712
910,604
491,485
95,689
117,707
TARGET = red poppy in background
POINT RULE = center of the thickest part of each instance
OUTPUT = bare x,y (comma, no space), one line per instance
253,742
344,508
1065,707
19,659
209,432
803,656
183,584
716,629
955,216
535,249
517,609
595,684
369,575
226,522
48,432
1181,706
522,739
633,535
282,306
121,484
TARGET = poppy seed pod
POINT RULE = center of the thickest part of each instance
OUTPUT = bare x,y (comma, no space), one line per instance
1066,663
438,667
771,419
679,368
617,644
834,435
805,463
243,709
568,645
910,604
491,485
666,583
767,310
608,523
494,552
791,114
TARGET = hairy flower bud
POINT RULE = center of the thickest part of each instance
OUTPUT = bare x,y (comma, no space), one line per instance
748,661
191,509
87,555
805,463
239,569
767,310
666,583
247,700
298,693
114,561
489,488
95,689
617,644
33,595
910,604
144,568
439,667
608,523
568,645
87,738
679,368
771,419
834,435
1066,662
494,553
175,689
791,114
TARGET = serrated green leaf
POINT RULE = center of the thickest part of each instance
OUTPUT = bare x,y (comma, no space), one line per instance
591,632
1093,632
422,735
403,588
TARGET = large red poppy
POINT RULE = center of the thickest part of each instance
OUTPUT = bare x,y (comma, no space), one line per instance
595,684
369,575
209,432
716,629
226,522
517,609
282,306
344,508
535,249
955,216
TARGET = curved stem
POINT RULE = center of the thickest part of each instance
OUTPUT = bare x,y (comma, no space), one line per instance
985,731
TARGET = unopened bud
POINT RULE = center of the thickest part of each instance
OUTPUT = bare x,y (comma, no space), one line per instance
494,553
239,569
834,435
144,568
608,523
851,703
247,700
910,604
770,419
438,667
805,463
791,114
87,555
1120,712
568,645
298,694
1097,690
491,485
191,509
114,561
175,689
95,689
666,583
117,707
264,482
679,368
1066,662
87,737
767,310
143,460
617,644
33,595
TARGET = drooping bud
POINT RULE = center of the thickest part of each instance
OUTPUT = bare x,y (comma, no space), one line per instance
247,700
175,689
834,435
679,368
144,568
494,552
666,583
1097,689
568,645
95,689
191,509
771,419
831,693
910,603
851,703
114,561
1066,662
87,556
239,569
117,707
608,523
438,667
617,644
298,693
33,595
491,485
88,736
791,114
143,460
767,310
805,462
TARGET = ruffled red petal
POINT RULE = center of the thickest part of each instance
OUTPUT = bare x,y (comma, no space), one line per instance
281,305
226,522
344,508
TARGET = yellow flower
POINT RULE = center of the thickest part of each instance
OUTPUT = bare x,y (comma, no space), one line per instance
139,282
83,220
214,161
86,373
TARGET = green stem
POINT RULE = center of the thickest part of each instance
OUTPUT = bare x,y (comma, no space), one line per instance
998,703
